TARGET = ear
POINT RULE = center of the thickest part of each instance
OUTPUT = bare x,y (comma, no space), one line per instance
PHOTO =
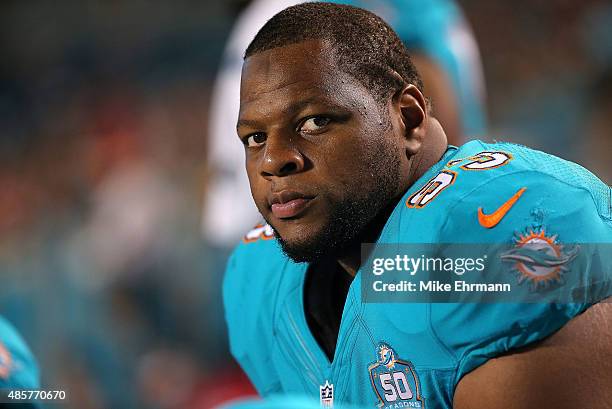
411,105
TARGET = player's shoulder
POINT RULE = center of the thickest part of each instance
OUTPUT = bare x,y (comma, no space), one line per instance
478,169
259,240
506,157
503,194
254,265
257,255
257,276
18,369
520,186
494,169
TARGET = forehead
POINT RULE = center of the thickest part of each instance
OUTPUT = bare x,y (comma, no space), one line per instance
296,72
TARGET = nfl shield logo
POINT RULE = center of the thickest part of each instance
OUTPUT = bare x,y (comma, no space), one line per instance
394,380
327,395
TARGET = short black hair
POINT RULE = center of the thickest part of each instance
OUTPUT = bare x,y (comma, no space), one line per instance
365,46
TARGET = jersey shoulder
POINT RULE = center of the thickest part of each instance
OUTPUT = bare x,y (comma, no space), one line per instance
252,269
517,187
506,196
18,369
257,271
504,186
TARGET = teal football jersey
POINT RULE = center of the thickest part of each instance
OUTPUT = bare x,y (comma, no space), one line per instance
18,369
413,354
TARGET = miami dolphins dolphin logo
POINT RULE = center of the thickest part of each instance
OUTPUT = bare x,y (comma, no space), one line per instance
386,356
540,259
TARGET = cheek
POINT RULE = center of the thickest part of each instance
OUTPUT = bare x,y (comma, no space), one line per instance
352,161
341,153
256,184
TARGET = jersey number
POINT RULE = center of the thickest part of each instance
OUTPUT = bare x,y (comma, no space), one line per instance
446,177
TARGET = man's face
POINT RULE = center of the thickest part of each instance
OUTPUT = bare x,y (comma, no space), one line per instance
322,156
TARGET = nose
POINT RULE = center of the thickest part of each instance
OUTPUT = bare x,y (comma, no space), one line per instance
281,157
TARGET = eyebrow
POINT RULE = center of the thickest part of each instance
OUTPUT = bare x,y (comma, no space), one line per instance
292,110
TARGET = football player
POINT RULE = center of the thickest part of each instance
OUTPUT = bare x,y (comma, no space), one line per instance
18,369
341,149
443,49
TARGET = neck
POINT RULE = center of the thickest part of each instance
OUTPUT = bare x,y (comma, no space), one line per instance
432,150
434,146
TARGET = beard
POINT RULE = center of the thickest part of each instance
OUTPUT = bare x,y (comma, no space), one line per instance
356,219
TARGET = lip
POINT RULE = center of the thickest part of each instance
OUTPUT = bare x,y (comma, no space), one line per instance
288,203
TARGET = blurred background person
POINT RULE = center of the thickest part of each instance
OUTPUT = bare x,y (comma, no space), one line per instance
104,146
18,368
444,51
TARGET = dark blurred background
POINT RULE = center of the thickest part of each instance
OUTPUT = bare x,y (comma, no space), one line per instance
103,139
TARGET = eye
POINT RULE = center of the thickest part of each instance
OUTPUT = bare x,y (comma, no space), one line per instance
314,124
256,139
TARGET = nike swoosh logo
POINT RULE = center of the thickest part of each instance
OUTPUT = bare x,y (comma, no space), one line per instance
491,220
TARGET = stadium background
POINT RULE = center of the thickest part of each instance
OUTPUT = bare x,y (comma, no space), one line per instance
103,119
